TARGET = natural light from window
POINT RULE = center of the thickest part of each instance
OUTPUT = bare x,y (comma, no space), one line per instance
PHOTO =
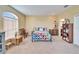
10,25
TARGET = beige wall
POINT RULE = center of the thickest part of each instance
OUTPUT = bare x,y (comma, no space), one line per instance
39,21
36,21
69,13
10,9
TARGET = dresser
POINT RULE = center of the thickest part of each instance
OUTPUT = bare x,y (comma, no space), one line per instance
53,32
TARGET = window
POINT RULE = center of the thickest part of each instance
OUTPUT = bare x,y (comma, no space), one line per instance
10,15
10,24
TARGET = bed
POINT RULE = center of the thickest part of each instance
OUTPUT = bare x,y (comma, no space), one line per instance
41,34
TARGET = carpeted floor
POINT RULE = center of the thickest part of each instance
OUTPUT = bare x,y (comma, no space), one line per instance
57,46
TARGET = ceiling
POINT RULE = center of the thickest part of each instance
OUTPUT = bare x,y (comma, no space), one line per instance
43,10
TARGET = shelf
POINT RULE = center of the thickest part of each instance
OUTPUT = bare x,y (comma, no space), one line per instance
67,32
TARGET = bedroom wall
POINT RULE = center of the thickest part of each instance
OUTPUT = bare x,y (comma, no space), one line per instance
69,13
39,21
5,8
35,21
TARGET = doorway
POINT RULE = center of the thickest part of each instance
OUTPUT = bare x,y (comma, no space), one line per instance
60,26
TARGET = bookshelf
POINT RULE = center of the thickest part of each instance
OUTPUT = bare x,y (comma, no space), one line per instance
67,32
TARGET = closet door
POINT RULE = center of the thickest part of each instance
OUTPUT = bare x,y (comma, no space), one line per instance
76,30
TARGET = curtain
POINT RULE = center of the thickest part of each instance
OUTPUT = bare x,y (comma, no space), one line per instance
10,27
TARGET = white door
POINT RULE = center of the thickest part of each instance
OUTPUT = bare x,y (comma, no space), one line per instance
76,30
